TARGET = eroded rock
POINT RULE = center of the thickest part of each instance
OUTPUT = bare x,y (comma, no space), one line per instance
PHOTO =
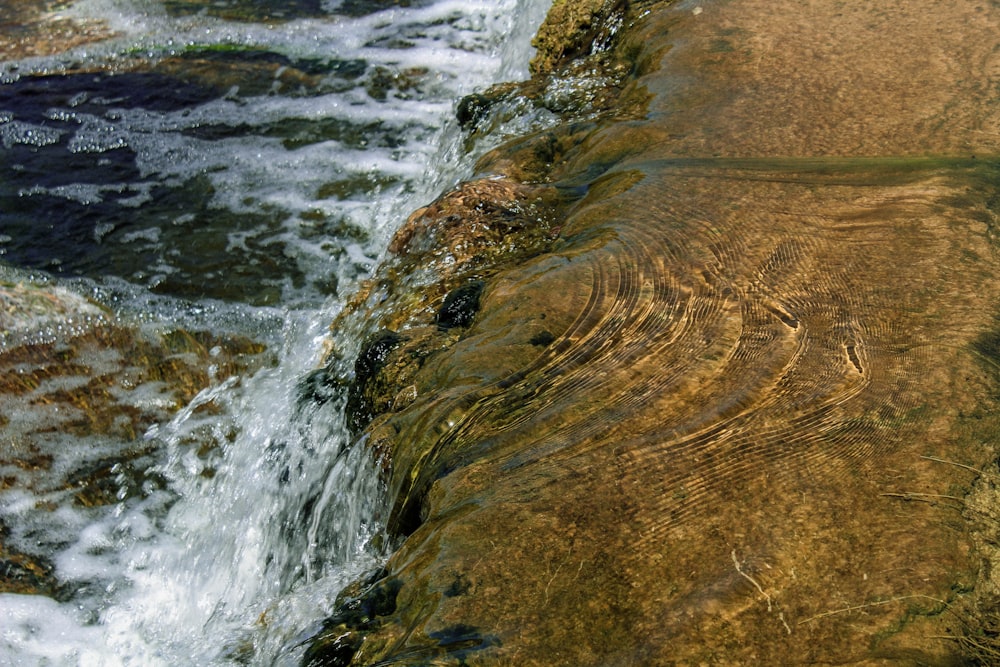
430,291
574,29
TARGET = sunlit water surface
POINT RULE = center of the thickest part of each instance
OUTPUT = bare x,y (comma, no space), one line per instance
236,167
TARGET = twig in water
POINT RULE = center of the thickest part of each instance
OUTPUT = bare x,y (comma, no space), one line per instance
753,581
925,497
781,615
880,603
953,463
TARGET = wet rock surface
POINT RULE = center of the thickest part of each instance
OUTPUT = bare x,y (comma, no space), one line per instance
215,175
33,28
737,405
78,390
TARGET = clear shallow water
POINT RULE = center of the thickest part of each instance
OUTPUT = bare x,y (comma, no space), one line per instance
206,170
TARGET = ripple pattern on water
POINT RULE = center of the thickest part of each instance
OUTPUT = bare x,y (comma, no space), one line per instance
722,333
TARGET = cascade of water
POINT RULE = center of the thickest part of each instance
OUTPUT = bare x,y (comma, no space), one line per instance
257,508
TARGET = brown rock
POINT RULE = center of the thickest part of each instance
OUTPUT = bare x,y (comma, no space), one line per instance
575,28
32,28
734,413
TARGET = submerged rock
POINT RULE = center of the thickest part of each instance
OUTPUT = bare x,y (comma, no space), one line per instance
25,574
27,310
40,28
72,375
737,405
460,306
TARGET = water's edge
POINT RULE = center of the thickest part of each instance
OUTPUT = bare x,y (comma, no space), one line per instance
191,190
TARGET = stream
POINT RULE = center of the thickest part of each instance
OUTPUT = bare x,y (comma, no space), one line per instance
238,168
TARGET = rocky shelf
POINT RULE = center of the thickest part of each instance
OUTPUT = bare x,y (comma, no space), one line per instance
705,372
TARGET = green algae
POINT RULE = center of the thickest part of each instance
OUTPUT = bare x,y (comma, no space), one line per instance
248,10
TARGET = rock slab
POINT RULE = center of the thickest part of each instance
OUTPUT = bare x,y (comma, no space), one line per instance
734,399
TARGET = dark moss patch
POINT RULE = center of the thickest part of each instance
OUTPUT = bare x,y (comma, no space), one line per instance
542,339
378,599
460,306
318,387
471,109
375,352
460,640
356,613
460,586
407,516
721,46
25,574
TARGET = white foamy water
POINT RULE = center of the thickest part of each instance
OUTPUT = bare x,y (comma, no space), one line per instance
251,210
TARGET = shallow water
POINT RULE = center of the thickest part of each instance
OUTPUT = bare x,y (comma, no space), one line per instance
231,168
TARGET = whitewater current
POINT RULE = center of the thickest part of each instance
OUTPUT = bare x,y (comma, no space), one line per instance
249,199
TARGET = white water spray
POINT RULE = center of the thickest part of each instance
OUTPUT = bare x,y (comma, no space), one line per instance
259,508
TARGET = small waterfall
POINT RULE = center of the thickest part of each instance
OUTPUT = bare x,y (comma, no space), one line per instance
260,536
238,204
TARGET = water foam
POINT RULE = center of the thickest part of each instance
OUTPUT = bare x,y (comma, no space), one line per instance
416,62
250,516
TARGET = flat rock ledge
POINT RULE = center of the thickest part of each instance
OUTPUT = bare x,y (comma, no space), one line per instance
706,373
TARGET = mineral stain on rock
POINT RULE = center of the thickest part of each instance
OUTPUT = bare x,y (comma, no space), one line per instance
738,404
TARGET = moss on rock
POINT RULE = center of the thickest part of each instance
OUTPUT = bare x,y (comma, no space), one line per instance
576,28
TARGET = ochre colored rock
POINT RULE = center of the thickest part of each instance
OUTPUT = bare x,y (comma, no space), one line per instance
575,28
442,251
743,410
37,28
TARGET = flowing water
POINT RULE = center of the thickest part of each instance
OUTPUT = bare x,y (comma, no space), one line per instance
235,167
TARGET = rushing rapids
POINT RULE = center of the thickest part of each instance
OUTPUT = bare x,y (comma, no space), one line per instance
189,192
